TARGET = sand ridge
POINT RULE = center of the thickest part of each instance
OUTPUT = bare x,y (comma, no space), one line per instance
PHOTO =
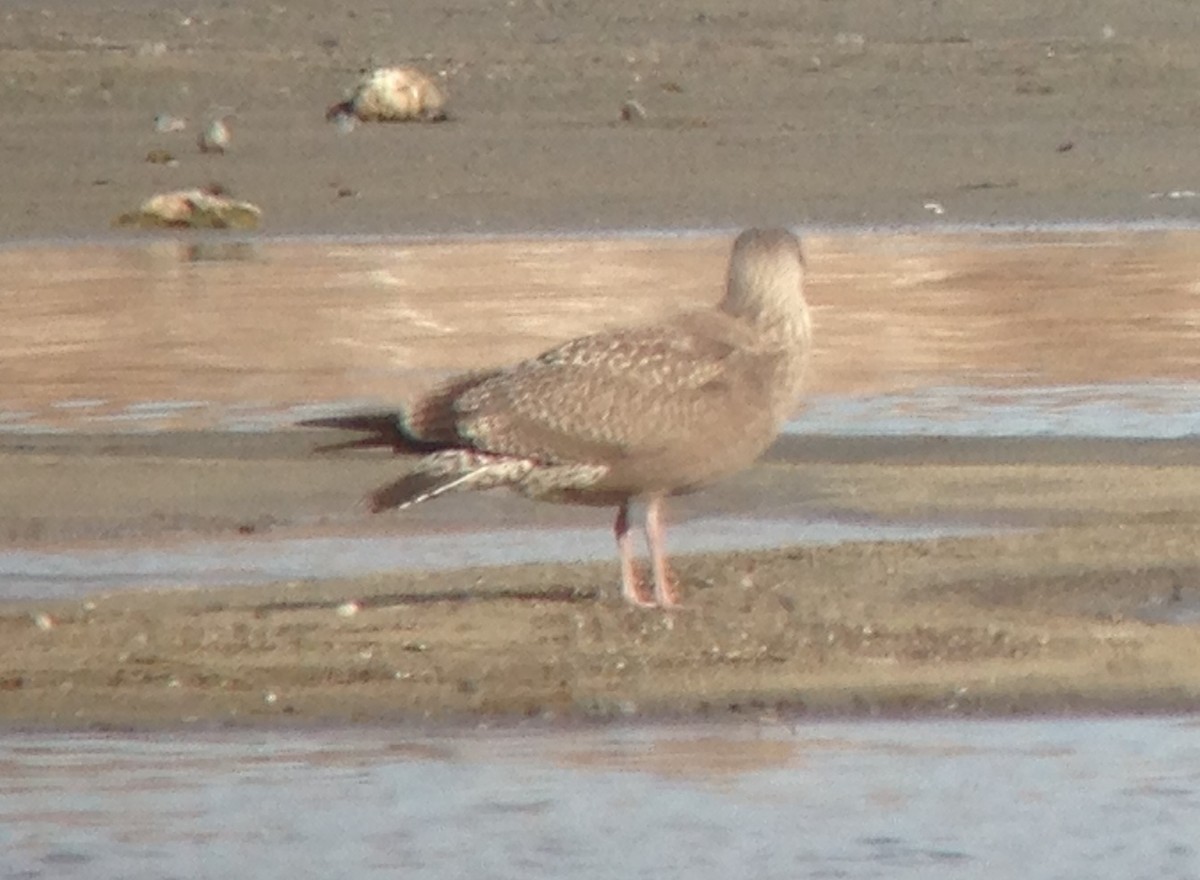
1085,607
818,114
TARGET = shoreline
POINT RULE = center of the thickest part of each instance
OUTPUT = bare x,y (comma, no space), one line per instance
1015,225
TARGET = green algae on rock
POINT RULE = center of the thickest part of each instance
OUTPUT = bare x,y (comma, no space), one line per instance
202,208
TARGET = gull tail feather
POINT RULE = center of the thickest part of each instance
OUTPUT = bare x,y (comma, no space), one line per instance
417,487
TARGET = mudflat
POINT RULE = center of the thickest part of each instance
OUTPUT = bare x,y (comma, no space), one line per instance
810,113
1077,594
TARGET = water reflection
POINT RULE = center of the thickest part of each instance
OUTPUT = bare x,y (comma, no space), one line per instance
920,799
168,334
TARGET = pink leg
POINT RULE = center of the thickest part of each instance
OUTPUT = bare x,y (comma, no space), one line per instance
665,594
632,588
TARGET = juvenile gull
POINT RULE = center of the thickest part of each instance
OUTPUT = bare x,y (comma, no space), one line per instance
638,413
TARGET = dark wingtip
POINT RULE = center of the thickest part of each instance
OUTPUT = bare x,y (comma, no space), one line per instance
384,430
356,422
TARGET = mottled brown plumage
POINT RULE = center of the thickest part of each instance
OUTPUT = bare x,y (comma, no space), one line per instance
635,413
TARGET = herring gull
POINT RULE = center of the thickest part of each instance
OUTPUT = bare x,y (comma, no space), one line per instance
632,414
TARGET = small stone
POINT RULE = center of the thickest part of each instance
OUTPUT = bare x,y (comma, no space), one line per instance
165,123
215,137
44,622
632,111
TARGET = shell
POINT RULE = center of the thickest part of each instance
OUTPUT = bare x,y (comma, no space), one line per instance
393,94
206,208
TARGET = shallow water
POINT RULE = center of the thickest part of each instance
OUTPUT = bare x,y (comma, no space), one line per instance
73,573
1158,409
1092,332
1037,799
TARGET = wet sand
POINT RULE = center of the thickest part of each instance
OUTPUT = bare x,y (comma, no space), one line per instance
865,113
861,112
1085,606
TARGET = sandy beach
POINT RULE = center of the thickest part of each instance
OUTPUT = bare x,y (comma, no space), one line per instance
1078,594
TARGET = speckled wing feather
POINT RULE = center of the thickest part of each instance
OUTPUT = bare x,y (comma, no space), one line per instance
615,395
434,419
